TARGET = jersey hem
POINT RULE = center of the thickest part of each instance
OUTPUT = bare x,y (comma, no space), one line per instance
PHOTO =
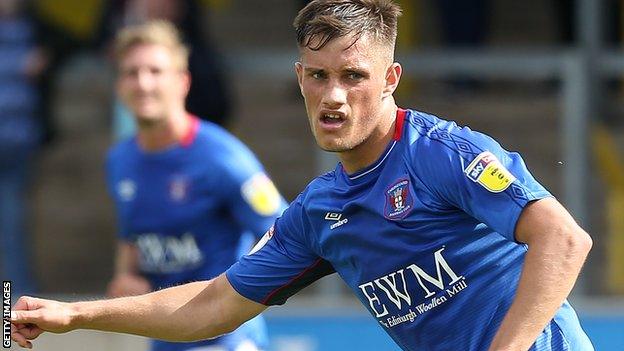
239,290
532,197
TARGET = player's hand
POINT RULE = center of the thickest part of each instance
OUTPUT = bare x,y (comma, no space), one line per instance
128,285
32,316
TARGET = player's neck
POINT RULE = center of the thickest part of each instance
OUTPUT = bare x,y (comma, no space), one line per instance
373,147
162,134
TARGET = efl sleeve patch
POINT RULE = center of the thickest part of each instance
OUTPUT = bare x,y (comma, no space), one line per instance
488,171
261,194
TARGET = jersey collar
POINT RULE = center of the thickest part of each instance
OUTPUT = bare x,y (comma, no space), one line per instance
398,133
398,126
191,133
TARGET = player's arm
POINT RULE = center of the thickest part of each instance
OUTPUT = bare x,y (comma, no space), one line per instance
127,279
557,248
188,312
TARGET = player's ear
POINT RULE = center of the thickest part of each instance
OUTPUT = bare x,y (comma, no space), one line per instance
393,76
299,72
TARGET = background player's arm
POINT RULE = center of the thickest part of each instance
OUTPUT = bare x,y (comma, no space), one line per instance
187,312
127,280
557,248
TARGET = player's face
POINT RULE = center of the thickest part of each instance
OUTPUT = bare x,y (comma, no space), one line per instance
150,83
345,88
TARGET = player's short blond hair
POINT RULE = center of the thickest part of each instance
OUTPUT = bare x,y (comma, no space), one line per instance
156,32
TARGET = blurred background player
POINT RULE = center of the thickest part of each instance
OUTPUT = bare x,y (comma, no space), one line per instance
209,97
21,63
190,197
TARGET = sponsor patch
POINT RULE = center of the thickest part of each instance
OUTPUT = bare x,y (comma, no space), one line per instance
398,200
164,254
488,171
261,194
265,239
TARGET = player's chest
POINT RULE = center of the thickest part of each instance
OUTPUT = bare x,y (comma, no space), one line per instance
384,224
395,250
155,198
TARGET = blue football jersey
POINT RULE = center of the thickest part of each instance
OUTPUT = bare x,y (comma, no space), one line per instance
191,210
424,237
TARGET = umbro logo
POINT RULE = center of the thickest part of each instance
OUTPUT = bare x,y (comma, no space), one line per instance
333,216
126,190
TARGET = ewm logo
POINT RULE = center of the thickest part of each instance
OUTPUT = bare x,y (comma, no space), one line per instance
401,290
168,254
6,314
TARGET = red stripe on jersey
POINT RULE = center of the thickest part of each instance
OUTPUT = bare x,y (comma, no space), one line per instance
398,127
190,135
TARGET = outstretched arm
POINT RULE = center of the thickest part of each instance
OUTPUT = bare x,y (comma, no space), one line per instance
557,249
187,312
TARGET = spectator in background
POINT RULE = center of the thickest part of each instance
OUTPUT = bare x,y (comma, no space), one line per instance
189,196
65,28
209,96
21,62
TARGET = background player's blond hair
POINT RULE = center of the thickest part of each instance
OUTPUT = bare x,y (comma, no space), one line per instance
156,32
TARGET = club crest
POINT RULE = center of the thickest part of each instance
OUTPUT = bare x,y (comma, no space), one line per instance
399,201
179,188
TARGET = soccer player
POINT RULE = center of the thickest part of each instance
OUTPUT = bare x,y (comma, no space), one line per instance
188,194
443,235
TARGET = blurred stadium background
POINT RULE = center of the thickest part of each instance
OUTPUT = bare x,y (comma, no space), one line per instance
542,76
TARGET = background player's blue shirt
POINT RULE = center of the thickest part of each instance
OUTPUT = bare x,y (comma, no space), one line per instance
424,237
191,209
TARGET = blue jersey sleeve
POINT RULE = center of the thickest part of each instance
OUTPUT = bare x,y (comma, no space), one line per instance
249,193
281,264
472,172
